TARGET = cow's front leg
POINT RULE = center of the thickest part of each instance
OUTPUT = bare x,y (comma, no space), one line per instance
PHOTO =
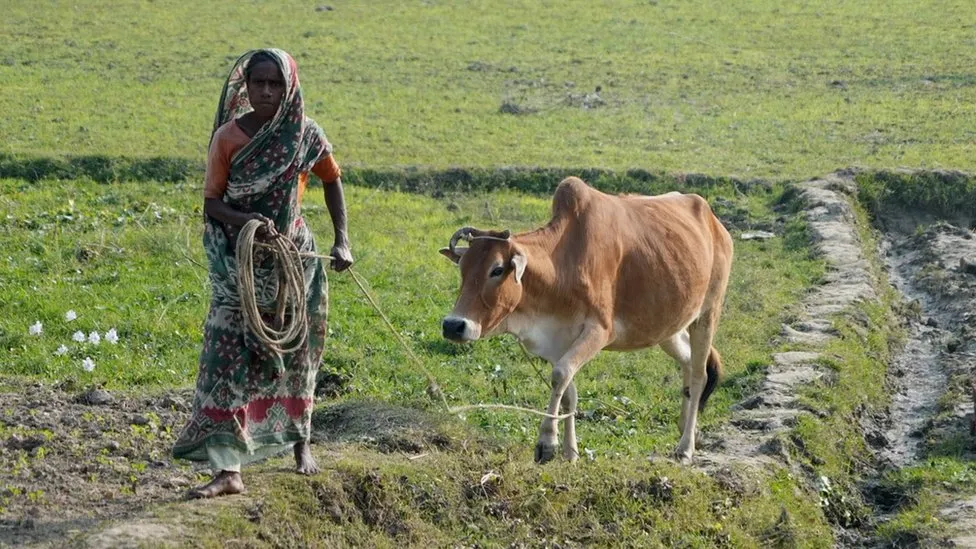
593,338
570,449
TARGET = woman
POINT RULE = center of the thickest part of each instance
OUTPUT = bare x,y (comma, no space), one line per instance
250,402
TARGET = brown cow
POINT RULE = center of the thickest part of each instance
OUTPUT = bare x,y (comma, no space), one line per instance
607,272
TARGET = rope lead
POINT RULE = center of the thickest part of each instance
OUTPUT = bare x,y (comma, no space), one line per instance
291,314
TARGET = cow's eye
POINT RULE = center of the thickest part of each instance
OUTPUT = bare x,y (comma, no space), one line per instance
496,272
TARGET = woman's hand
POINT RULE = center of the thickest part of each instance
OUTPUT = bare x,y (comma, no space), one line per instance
342,257
266,230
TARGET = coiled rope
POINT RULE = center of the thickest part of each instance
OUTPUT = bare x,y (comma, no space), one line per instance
291,320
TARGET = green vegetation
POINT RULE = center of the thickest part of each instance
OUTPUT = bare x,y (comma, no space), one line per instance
744,88
453,113
915,494
127,256
445,499
941,194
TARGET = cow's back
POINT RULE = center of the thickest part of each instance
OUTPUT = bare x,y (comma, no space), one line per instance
621,225
656,253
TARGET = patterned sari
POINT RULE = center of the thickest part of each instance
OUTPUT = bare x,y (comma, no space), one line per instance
249,400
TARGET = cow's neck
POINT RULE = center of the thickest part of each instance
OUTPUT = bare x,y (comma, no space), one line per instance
540,278
541,321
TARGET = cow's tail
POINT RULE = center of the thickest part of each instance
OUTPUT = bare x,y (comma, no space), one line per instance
713,371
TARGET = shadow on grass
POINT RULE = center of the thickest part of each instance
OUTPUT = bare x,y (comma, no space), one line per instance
445,348
434,182
103,169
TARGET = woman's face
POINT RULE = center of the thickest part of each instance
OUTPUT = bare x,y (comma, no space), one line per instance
265,88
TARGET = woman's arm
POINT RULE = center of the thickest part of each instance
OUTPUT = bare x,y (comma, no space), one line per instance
219,210
221,149
336,202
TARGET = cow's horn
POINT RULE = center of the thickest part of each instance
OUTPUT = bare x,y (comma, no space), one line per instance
463,232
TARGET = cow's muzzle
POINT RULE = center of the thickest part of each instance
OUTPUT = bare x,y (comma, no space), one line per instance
460,329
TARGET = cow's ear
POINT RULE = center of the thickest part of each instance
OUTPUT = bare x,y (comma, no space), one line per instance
454,256
519,262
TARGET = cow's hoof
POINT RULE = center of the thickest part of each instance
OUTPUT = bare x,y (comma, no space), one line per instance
544,452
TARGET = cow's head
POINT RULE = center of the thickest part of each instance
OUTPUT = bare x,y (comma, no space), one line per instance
491,282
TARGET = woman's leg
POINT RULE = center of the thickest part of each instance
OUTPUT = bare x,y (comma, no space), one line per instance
226,462
307,363
304,462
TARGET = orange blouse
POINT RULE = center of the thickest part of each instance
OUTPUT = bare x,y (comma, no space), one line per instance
229,139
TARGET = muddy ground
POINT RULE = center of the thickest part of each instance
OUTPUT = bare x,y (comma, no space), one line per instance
934,404
73,460
930,262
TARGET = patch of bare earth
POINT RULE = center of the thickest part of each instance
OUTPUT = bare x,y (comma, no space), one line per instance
70,460
92,468
930,262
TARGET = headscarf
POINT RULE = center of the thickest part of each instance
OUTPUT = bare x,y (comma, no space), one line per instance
288,145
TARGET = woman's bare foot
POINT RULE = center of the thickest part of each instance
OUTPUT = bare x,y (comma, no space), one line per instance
304,462
225,483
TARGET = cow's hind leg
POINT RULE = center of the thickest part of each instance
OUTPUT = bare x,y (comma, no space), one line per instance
700,334
678,347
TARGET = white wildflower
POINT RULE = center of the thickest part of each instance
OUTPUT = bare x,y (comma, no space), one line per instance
70,315
111,336
78,336
94,338
36,328
88,364
590,453
62,349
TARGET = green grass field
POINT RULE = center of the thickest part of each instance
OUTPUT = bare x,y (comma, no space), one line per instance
127,257
743,88
124,259
766,93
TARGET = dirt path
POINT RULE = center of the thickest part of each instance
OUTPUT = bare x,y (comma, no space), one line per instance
932,409
753,437
932,403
